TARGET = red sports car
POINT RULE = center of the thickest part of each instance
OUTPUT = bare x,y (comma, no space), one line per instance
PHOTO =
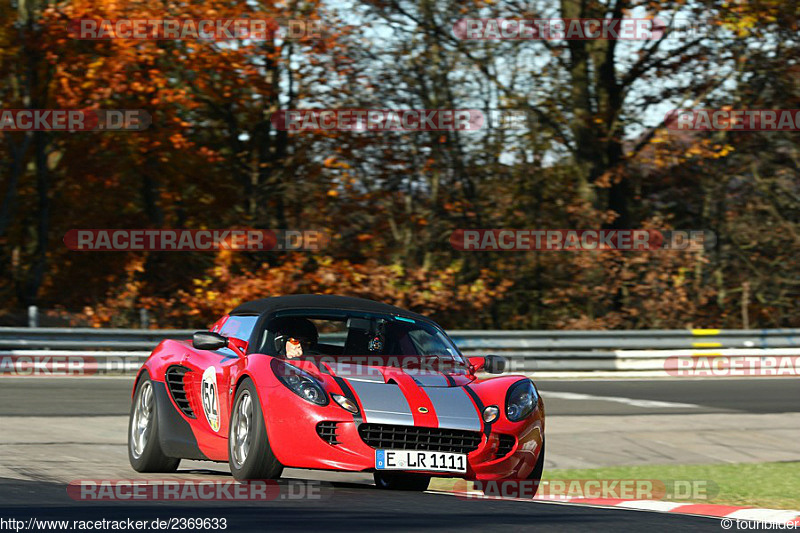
334,383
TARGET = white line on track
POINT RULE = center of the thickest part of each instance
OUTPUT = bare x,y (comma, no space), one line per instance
647,404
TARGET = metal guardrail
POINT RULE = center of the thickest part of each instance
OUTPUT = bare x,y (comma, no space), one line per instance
580,351
87,338
654,339
513,341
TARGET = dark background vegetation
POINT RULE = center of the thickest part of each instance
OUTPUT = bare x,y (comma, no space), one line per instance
593,153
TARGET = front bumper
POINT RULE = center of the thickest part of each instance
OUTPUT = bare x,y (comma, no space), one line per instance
296,442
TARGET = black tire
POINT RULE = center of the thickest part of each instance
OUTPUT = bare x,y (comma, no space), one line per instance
144,448
256,461
401,481
538,470
535,476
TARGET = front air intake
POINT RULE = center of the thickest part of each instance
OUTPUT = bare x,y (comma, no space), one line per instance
327,432
505,445
177,388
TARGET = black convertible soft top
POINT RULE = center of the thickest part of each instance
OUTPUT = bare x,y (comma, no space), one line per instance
321,301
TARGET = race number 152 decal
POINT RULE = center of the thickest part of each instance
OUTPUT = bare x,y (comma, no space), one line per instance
211,397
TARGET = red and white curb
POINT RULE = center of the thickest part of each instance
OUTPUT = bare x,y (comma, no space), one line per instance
732,512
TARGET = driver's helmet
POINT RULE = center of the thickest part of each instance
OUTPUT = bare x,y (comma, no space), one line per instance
295,330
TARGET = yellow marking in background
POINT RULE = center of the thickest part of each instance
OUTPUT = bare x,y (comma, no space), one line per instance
707,344
705,332
706,354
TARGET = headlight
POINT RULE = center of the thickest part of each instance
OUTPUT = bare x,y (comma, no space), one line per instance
521,400
299,382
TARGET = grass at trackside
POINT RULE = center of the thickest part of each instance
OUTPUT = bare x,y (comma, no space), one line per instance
769,485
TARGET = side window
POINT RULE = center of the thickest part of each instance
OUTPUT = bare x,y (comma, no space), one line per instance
239,327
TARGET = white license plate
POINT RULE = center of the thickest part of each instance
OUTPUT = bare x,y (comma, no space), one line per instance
420,460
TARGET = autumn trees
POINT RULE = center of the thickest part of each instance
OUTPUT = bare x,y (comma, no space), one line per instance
591,152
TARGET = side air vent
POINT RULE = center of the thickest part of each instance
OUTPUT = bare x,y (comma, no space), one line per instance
177,388
327,432
505,445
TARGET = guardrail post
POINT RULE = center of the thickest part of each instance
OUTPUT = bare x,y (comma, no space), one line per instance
33,316
144,319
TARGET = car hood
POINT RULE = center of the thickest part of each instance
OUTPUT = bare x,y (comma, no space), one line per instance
410,396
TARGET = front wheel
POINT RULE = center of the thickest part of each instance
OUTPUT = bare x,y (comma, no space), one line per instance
249,453
144,448
401,481
538,470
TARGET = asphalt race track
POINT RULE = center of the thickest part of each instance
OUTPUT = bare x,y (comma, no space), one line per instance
62,429
361,507
95,396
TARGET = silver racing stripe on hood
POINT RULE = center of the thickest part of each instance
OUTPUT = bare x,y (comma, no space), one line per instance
383,403
454,408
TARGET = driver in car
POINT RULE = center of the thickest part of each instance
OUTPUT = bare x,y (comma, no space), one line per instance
294,336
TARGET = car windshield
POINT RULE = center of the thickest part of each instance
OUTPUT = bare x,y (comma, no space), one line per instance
344,333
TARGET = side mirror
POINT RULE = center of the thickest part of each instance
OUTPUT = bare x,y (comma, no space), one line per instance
494,364
476,364
208,340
